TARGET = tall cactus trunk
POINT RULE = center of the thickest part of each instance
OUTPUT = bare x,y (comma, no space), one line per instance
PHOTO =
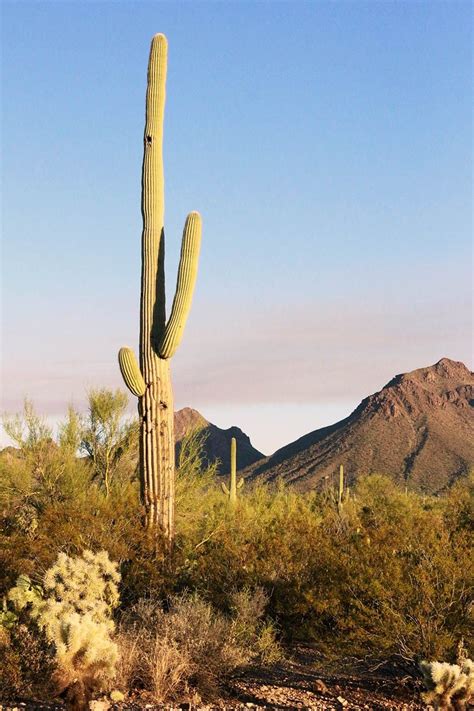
234,485
233,472
159,338
341,487
157,450
156,406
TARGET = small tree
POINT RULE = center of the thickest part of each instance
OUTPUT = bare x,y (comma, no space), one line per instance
37,448
69,433
106,436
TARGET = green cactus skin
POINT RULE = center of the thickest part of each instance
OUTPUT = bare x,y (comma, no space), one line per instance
159,339
341,486
187,273
131,372
235,485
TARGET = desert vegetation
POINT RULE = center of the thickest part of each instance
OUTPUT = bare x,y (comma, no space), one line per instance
94,598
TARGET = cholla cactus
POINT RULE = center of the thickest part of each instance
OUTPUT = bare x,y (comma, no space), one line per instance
26,519
83,648
450,686
74,608
80,595
86,585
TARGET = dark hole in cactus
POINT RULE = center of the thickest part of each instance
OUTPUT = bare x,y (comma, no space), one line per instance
148,139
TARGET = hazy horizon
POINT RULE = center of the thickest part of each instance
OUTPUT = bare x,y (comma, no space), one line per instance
328,147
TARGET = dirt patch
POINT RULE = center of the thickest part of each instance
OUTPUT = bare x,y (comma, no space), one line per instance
303,681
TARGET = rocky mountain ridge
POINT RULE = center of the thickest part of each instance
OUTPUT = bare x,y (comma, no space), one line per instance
419,429
216,440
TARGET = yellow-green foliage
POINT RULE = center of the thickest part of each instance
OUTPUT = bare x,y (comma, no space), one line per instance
105,435
450,686
378,577
391,572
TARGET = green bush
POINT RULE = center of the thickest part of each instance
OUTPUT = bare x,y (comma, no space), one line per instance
27,662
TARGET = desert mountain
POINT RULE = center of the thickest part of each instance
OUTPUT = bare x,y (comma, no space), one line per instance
419,429
217,440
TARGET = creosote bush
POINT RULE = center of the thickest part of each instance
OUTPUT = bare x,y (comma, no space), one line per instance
27,662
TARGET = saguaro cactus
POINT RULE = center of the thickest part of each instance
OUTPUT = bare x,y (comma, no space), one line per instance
341,486
343,493
231,490
159,339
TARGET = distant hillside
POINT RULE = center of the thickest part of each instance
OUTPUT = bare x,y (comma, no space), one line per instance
419,429
217,442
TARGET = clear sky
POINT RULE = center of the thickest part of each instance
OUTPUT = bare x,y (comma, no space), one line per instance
327,146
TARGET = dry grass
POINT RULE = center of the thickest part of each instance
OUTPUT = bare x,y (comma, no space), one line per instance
189,650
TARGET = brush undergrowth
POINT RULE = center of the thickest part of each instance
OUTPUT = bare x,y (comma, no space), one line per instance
391,572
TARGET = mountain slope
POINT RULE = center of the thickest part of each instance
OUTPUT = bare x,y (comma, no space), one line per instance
419,429
217,440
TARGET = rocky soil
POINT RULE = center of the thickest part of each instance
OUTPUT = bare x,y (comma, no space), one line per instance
300,683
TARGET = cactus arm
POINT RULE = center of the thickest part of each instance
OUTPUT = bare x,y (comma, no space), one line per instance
225,489
187,273
131,372
240,484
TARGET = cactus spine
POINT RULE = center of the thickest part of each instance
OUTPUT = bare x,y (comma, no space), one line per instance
159,339
231,490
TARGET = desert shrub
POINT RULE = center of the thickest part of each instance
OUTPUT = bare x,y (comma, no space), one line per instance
34,439
27,662
449,686
107,438
250,628
79,516
198,509
390,572
186,648
386,574
458,504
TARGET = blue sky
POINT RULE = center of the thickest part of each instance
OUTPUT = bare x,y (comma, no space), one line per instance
327,146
